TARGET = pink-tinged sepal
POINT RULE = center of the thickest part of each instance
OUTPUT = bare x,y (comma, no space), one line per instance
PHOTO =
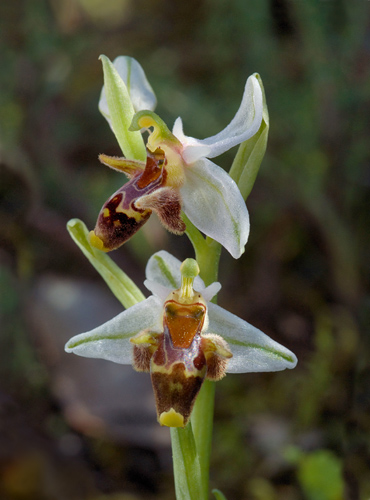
120,217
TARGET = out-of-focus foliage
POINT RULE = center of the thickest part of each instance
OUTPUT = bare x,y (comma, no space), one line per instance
305,274
320,475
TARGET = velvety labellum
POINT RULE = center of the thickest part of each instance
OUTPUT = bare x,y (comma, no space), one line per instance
180,357
178,367
120,218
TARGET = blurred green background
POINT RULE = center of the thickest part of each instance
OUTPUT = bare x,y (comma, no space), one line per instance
302,435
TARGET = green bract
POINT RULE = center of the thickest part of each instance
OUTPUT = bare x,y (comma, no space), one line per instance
116,105
121,285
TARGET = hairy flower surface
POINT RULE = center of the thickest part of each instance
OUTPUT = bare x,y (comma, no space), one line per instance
178,173
181,338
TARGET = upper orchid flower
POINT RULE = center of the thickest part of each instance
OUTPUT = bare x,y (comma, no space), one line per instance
177,173
181,338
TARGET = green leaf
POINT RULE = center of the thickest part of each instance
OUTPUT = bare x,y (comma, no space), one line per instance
121,112
250,154
320,476
219,495
121,285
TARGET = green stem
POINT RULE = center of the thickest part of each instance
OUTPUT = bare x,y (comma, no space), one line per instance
186,467
202,421
208,259
207,252
194,235
197,436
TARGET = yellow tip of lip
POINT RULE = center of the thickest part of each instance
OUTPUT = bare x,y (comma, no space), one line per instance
97,242
171,418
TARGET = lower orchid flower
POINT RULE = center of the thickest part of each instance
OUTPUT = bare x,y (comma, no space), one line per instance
181,338
177,174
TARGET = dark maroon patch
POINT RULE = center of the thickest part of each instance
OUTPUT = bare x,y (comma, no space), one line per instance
114,227
160,355
176,390
199,361
117,228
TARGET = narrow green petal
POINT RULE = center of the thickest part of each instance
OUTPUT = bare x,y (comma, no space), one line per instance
121,112
250,154
121,285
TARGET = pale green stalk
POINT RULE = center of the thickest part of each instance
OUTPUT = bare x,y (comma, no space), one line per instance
202,422
186,466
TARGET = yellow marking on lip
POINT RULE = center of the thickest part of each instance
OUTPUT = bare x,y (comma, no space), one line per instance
133,214
171,418
97,242
106,212
168,370
154,368
145,338
176,386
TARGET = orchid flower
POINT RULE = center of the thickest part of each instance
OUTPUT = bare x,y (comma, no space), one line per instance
181,338
177,173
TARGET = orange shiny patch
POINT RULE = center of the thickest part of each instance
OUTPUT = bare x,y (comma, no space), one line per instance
184,322
153,168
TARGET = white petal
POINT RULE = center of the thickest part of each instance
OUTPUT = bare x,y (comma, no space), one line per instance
243,126
164,268
211,290
190,154
177,130
213,203
253,351
140,90
111,340
160,291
